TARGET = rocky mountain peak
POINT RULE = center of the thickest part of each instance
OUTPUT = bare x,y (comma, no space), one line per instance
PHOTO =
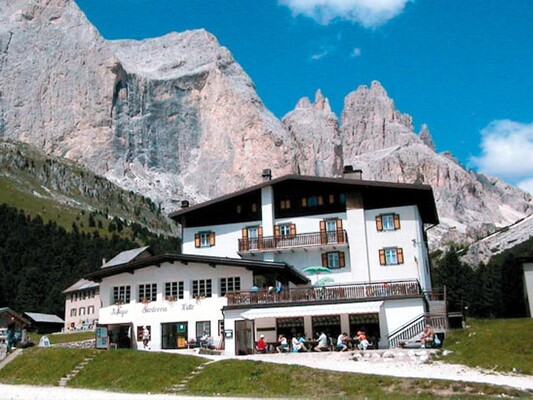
425,137
176,118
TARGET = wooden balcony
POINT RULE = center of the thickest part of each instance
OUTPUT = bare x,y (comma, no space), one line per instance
315,239
327,294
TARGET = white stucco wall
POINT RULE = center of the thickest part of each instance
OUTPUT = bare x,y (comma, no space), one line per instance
528,285
396,313
162,311
407,238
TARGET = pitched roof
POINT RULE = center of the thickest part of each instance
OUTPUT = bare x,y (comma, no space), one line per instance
7,310
82,284
126,256
376,194
39,317
287,270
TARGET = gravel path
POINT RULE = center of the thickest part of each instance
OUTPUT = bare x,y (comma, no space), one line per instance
330,361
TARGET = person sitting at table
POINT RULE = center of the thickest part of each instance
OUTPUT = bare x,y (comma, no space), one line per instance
260,346
283,344
426,338
363,341
322,343
342,342
302,340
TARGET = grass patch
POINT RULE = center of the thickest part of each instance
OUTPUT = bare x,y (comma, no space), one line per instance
258,379
42,366
135,371
500,344
57,338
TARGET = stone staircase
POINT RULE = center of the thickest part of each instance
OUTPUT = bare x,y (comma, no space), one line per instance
75,371
180,387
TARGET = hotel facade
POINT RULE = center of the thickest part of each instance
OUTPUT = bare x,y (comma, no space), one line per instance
291,255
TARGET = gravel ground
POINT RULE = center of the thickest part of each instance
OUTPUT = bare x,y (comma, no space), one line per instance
395,366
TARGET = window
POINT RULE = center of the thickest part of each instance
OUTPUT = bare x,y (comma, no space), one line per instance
220,327
203,328
204,239
387,222
331,231
285,231
312,201
82,311
201,288
230,285
174,291
391,256
121,294
90,310
147,292
252,237
72,312
285,204
333,260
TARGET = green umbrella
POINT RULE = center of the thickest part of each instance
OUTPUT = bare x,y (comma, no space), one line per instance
324,280
316,270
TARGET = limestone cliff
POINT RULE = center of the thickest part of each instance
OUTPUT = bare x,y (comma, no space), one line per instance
170,117
176,117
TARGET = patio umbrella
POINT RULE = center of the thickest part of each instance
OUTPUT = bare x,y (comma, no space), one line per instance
316,270
324,280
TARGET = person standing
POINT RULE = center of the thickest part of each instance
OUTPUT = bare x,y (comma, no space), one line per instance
146,337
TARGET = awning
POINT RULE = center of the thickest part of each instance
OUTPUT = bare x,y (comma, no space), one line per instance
326,309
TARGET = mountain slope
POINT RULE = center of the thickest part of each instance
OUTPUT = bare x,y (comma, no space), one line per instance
176,118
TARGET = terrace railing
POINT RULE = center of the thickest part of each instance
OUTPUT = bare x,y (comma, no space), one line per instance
369,291
291,241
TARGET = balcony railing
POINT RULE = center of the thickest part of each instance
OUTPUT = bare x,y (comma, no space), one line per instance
371,291
290,241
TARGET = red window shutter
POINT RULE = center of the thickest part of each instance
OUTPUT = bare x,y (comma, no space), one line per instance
212,239
396,221
323,235
196,240
277,232
379,223
399,253
382,260
342,261
293,231
325,260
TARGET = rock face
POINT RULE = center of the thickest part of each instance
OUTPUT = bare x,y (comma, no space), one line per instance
170,117
315,130
176,117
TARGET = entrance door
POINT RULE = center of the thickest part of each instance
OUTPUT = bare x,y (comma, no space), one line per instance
174,335
244,339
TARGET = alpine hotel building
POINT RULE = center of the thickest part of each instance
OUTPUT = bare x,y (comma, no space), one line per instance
242,271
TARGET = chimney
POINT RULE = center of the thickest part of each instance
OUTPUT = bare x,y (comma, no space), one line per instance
103,261
184,203
267,175
350,173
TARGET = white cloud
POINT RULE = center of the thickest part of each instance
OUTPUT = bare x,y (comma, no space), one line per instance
355,52
323,52
507,151
368,13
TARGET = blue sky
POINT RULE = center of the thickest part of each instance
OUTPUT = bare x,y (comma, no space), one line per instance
465,68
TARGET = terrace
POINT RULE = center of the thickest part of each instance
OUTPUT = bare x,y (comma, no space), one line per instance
289,242
327,294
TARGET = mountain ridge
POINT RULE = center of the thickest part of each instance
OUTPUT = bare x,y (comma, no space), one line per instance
176,117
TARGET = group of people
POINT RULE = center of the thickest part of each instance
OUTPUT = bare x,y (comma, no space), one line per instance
300,344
